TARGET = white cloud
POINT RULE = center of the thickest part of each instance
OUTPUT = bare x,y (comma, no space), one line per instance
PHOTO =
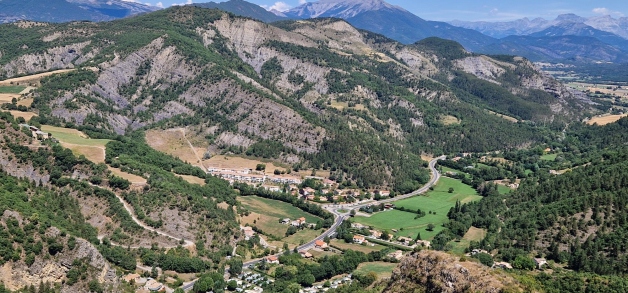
606,11
181,4
301,2
160,5
494,11
279,6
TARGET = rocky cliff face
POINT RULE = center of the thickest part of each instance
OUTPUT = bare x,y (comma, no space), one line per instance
53,269
432,271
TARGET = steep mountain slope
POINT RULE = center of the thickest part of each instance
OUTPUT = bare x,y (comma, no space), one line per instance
69,10
316,93
390,20
243,8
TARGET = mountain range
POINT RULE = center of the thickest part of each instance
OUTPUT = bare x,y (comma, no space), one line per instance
568,38
69,10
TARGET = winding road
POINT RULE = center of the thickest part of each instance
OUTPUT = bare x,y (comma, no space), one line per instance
340,217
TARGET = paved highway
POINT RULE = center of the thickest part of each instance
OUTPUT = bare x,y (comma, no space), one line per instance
340,217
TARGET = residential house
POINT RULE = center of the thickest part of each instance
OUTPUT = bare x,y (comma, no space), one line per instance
358,239
423,243
328,182
383,193
540,262
285,221
320,244
248,232
375,233
307,191
131,277
272,260
325,191
153,285
389,206
286,179
404,239
305,254
271,188
310,197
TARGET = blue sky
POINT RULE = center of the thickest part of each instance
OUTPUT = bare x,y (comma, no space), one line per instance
489,10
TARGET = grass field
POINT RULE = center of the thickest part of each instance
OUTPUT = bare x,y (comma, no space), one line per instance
549,157
503,189
12,89
356,247
382,269
132,178
73,136
302,236
266,214
449,120
439,201
193,179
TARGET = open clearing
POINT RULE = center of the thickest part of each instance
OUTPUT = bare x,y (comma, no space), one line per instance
511,119
605,119
26,115
382,269
449,120
474,234
549,157
267,214
225,161
25,80
193,179
12,89
73,136
438,201
173,142
92,149
342,105
25,102
302,236
275,208
356,247
134,179
8,98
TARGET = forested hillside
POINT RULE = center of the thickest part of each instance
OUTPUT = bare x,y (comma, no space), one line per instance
577,218
329,96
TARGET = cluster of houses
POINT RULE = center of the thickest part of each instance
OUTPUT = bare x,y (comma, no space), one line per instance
374,234
300,222
250,282
144,284
249,176
311,194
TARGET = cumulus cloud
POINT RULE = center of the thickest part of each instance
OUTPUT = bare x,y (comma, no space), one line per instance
606,11
181,4
160,5
494,11
301,2
279,6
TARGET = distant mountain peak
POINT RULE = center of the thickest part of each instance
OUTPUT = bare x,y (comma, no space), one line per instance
570,17
340,8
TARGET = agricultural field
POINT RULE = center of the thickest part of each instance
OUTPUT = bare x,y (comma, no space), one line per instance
603,120
31,79
267,214
438,201
12,89
382,269
341,244
79,143
26,115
